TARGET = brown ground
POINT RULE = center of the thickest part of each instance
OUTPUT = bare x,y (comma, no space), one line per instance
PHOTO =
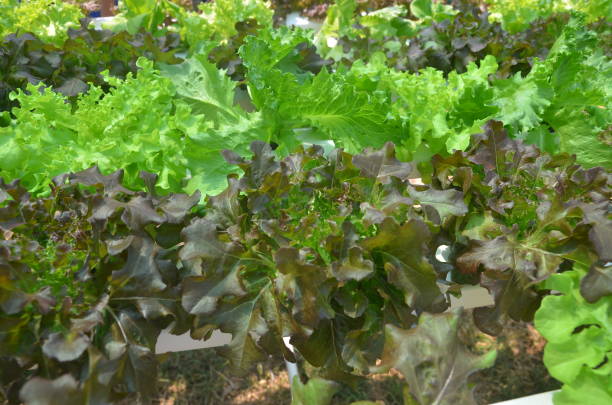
518,369
202,378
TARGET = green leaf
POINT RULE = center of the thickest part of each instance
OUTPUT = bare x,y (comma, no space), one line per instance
316,391
206,89
521,101
421,8
348,116
338,23
217,21
588,386
578,334
389,22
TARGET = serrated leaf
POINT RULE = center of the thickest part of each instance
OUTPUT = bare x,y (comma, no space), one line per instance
207,89
521,101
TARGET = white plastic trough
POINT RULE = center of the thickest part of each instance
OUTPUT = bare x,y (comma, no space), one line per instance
544,398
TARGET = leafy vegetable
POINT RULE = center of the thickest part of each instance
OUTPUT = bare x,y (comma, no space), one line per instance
89,279
428,113
433,361
430,356
214,23
530,215
324,251
78,62
185,114
338,253
580,109
47,19
143,122
578,335
431,34
517,15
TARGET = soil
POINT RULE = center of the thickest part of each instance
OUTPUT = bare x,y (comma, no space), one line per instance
518,370
203,378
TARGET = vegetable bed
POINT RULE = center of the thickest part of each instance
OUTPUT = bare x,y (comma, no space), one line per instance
319,194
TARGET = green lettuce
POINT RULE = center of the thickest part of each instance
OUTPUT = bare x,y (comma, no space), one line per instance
579,336
146,122
517,15
47,19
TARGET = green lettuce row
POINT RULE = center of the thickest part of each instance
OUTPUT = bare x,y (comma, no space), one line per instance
517,15
175,119
213,22
567,94
142,123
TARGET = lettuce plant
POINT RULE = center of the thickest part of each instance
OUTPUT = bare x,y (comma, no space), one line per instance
184,115
432,359
47,19
576,322
78,62
326,251
530,215
89,279
175,126
431,34
337,252
517,15
213,22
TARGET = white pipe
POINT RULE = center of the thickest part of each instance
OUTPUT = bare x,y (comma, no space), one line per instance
292,368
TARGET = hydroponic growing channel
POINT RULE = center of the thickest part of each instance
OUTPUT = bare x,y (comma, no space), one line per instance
373,191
